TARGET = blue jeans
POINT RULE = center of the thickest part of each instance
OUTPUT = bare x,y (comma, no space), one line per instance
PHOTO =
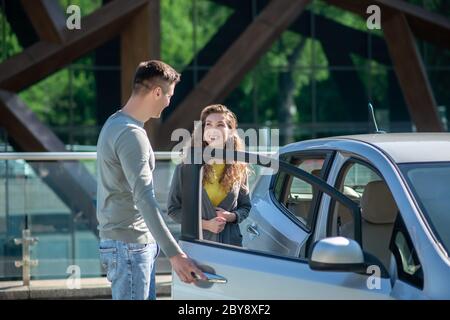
130,267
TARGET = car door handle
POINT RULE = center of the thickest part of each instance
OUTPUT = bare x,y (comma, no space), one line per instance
214,278
253,229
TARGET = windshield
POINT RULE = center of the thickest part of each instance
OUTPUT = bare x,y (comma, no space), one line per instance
430,183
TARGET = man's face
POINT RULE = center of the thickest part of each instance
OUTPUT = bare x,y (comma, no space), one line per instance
163,98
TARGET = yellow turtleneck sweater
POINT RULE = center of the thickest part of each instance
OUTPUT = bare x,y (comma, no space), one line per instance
214,189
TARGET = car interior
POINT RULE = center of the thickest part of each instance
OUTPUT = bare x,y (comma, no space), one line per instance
378,210
378,214
300,195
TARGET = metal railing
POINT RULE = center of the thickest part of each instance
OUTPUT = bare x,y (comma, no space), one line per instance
58,156
27,240
70,156
26,263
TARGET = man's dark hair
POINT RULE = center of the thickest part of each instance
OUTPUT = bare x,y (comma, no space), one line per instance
154,73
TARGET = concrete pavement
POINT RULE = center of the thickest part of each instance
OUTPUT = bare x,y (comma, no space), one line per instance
90,288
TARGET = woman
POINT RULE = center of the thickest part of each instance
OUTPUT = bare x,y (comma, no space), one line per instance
225,194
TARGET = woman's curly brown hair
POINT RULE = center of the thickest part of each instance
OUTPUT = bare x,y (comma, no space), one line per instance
234,173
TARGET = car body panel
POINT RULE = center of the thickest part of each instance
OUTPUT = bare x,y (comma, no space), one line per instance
270,237
262,277
404,147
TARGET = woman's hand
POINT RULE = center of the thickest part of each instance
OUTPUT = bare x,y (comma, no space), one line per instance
214,225
228,216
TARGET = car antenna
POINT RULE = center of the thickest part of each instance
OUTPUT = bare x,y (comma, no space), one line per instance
374,121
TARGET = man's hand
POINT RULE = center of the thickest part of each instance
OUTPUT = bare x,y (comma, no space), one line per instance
228,216
214,225
186,269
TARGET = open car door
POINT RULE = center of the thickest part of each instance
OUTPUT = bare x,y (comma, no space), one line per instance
240,273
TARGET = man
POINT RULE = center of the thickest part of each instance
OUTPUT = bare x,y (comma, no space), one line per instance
130,223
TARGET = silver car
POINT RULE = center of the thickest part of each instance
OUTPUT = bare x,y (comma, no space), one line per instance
352,217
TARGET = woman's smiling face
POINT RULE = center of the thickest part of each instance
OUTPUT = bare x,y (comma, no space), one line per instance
217,131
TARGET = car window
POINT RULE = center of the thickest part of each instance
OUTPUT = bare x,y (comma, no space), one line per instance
269,228
357,176
352,181
364,185
429,184
294,194
408,265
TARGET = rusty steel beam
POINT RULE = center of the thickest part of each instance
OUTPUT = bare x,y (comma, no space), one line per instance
47,19
411,73
141,41
44,58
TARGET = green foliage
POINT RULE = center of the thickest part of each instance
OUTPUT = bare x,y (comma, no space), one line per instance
9,45
345,18
180,40
53,98
86,6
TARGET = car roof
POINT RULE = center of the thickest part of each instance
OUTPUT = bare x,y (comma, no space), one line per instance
406,147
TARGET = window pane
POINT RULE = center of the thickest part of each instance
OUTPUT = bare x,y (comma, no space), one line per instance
299,200
297,195
357,177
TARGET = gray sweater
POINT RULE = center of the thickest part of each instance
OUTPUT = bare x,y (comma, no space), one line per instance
126,206
237,201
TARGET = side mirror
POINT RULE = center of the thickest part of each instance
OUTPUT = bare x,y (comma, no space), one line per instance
337,254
